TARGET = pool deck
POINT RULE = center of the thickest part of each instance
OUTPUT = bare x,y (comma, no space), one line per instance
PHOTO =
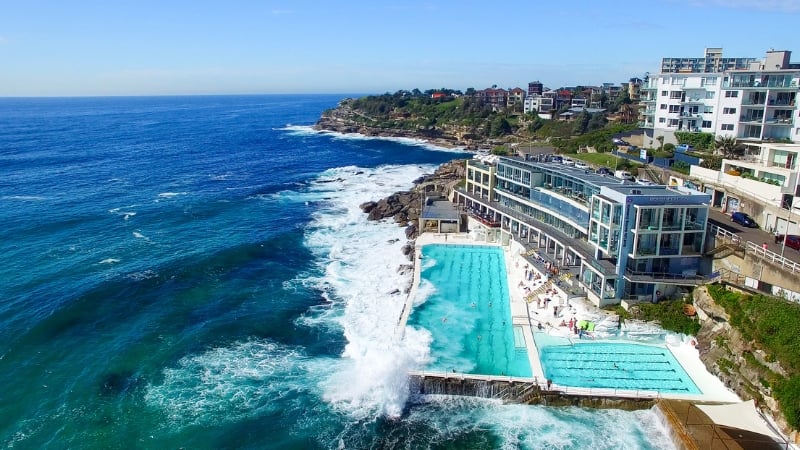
529,316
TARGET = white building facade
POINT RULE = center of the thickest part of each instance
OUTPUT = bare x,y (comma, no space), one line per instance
746,98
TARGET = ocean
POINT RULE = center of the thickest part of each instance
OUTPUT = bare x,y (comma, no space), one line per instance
195,272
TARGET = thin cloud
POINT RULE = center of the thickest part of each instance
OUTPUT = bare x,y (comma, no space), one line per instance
784,6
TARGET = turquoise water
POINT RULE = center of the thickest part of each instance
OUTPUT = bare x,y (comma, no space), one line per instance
613,365
468,313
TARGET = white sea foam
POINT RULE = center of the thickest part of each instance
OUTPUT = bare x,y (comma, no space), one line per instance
360,261
308,130
171,194
234,383
541,427
125,211
24,198
109,261
138,235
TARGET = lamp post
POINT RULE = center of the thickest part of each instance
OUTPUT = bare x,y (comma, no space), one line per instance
788,224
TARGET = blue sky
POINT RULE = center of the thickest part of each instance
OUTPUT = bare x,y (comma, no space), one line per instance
145,47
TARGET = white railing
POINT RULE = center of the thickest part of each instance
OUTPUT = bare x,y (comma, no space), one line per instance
756,249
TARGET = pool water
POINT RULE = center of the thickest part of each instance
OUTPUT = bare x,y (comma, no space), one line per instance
614,365
468,312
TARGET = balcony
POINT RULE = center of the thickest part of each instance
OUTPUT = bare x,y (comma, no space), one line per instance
693,101
770,84
485,219
777,103
753,102
691,115
756,119
783,121
686,277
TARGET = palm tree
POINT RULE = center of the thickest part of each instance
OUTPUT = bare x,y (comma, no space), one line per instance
727,146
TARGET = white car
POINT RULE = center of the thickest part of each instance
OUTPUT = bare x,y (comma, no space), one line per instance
568,162
581,165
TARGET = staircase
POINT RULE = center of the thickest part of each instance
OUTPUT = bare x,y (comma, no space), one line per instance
653,175
547,285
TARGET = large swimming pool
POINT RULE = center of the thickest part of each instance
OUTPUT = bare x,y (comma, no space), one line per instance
467,312
613,365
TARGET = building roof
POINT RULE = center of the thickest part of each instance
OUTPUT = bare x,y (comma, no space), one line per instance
440,210
579,109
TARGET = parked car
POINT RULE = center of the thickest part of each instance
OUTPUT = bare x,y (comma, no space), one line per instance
792,240
568,162
743,219
581,165
603,171
618,141
684,148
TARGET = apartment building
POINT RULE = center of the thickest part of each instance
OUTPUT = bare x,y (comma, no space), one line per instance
516,96
764,183
539,105
535,88
621,240
747,98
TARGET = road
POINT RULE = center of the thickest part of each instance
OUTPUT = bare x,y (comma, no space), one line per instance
756,235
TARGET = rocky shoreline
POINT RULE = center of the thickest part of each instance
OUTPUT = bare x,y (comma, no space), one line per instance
344,119
405,207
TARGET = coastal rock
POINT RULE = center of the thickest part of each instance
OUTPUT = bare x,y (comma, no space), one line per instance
367,206
405,268
411,231
406,249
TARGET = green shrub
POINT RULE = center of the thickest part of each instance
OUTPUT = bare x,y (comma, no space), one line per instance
787,391
700,141
671,316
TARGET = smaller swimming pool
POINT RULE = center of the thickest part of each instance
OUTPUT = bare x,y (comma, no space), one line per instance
613,365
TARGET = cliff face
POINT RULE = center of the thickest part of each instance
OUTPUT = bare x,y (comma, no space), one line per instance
735,360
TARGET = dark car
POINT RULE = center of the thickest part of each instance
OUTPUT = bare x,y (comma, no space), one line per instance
603,171
792,240
743,219
618,141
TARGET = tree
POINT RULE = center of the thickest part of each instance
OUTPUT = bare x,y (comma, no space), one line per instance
711,162
727,146
500,126
469,92
660,140
596,122
581,123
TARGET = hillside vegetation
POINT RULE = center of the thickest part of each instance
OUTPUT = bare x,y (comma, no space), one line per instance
770,328
469,119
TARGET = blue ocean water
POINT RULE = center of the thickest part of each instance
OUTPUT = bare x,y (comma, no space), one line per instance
194,272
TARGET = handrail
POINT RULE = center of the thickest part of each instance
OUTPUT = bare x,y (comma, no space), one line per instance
756,249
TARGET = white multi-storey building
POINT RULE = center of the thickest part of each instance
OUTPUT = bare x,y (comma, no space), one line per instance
746,98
